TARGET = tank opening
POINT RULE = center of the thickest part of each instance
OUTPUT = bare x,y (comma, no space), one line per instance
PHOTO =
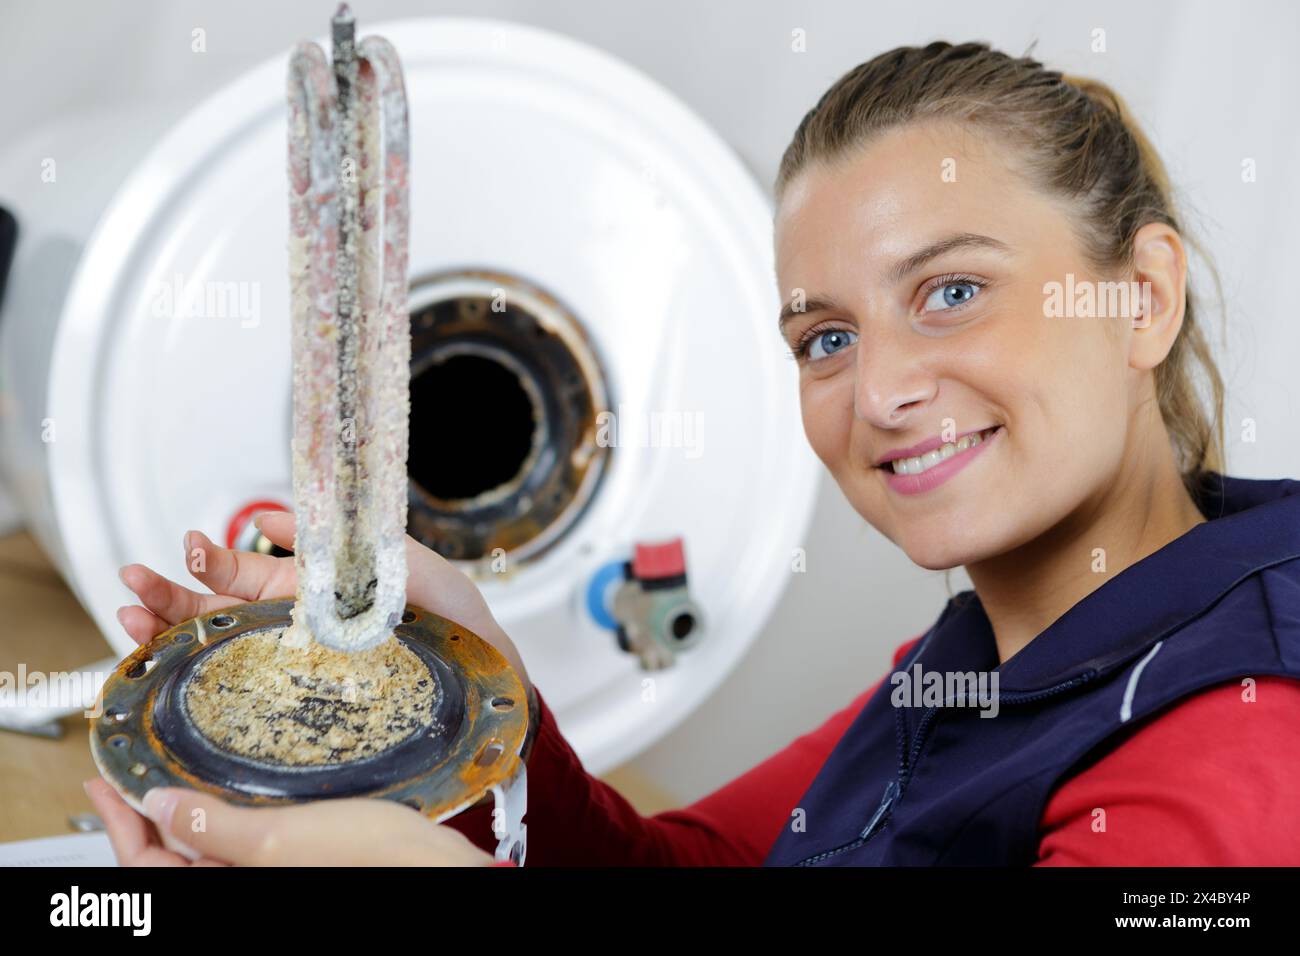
504,454
477,427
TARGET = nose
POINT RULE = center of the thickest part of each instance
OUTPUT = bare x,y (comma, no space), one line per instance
891,382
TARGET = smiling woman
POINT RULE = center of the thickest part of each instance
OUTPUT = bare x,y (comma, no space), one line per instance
927,207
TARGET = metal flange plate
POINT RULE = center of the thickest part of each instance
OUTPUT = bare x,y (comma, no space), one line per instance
143,736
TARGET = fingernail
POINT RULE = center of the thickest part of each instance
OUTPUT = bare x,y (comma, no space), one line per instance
85,785
121,614
257,520
121,574
159,805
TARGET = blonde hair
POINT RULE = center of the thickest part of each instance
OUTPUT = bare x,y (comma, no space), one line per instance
1078,140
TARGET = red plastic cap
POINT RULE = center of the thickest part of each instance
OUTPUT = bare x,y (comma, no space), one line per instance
652,561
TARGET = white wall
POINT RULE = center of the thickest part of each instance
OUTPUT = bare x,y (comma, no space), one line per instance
1213,83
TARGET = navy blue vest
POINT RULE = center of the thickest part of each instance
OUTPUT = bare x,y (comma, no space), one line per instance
941,785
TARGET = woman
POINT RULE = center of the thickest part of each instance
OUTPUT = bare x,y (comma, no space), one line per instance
956,235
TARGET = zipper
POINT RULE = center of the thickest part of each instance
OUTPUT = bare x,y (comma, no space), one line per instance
892,790
908,756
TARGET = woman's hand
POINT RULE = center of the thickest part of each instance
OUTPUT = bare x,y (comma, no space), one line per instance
239,576
350,832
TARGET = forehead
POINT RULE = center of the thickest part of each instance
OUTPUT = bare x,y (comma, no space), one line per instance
907,187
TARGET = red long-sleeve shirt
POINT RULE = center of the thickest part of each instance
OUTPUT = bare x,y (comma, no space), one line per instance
1213,781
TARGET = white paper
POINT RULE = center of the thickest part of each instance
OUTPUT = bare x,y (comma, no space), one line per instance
74,849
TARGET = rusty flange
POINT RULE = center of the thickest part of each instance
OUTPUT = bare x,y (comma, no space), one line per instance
143,738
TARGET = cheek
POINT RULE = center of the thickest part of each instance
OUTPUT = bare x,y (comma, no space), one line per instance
827,407
1070,411
1087,375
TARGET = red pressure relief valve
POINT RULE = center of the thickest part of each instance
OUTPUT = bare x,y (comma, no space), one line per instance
656,616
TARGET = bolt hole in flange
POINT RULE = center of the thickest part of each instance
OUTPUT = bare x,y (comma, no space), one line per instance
139,669
505,394
490,754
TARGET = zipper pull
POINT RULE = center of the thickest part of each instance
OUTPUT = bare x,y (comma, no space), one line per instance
891,794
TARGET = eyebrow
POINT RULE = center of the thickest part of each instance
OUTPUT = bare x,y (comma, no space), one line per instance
788,311
963,240
902,269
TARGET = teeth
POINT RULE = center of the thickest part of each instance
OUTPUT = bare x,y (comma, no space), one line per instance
920,463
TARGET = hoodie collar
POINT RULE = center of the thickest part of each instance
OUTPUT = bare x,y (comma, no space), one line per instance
1251,524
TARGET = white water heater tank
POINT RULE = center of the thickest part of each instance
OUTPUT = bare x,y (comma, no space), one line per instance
144,353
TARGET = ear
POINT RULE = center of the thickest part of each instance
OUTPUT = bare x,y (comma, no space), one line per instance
1160,270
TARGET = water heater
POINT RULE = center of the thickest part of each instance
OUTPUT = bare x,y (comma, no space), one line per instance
604,425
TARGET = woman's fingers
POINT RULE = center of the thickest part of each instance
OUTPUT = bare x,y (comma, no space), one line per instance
351,832
133,838
278,526
435,584
168,600
140,624
243,574
233,576
245,836
128,832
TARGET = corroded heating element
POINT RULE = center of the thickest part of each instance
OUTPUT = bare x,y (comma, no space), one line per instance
278,702
348,208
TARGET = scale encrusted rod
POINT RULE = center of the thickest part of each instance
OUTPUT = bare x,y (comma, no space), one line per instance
348,239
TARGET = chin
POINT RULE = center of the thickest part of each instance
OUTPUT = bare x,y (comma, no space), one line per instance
933,554
937,559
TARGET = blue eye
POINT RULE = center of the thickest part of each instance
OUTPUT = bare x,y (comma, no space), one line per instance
830,342
952,294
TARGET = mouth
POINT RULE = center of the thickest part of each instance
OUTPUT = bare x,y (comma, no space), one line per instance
920,464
